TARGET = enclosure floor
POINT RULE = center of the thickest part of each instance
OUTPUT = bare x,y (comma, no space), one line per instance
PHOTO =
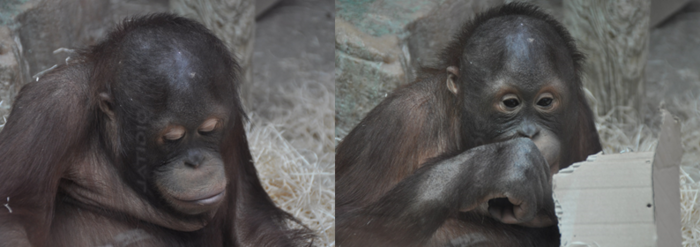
291,105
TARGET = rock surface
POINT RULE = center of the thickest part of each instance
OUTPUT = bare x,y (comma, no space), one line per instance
381,43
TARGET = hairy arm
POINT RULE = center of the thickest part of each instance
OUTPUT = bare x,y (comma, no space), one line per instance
388,195
410,213
250,213
391,142
43,131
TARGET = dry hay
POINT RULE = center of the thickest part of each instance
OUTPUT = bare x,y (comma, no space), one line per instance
631,135
295,155
303,188
690,169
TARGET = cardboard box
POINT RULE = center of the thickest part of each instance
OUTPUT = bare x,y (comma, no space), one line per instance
627,199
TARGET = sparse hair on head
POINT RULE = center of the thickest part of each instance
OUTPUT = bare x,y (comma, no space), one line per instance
452,53
172,27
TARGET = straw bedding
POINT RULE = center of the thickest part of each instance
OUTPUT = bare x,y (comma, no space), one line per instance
295,155
630,135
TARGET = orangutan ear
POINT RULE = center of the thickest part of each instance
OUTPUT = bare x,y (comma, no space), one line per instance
452,75
106,104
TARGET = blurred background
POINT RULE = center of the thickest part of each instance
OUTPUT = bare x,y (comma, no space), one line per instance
284,47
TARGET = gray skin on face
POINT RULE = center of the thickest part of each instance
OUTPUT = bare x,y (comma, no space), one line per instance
521,90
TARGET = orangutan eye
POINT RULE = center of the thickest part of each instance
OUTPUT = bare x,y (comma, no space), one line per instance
174,133
545,102
511,103
209,125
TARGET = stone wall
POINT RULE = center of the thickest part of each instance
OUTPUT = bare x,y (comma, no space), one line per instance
381,43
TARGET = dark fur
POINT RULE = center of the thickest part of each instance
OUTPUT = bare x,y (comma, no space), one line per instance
406,149
452,53
56,134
